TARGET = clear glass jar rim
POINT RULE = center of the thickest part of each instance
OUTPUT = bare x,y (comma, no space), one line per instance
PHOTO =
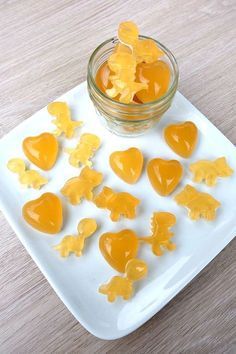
159,100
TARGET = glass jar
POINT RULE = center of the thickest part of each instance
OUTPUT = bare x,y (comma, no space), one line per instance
128,119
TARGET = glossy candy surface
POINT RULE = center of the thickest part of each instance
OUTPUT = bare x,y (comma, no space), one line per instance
63,122
160,237
133,73
157,76
44,214
182,138
118,203
199,204
41,150
28,178
84,151
136,269
118,248
75,244
77,188
164,175
209,171
127,164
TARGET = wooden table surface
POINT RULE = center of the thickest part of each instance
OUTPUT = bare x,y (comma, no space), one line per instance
44,49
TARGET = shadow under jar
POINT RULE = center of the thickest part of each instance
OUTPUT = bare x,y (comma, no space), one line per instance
128,119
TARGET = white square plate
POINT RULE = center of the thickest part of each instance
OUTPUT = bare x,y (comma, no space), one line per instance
76,280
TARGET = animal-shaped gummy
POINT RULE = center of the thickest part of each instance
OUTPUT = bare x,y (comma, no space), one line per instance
128,33
161,222
82,186
84,151
199,204
126,90
63,122
123,65
136,269
75,244
147,51
119,80
122,48
209,171
119,204
28,178
144,50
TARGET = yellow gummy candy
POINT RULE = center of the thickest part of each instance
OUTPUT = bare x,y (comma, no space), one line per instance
82,186
147,51
29,178
126,90
117,203
123,65
84,151
122,81
199,204
75,244
122,48
128,33
209,171
122,62
160,238
136,269
63,121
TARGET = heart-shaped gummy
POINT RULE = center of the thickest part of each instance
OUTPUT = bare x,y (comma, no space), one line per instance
42,150
44,214
164,175
127,164
118,248
182,138
157,75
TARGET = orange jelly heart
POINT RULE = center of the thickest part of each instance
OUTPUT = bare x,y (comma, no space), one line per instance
127,164
164,175
44,214
41,150
157,76
118,248
182,138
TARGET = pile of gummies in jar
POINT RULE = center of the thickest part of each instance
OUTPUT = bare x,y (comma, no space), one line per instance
135,72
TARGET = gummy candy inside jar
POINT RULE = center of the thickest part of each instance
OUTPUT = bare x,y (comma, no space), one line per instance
157,75
131,87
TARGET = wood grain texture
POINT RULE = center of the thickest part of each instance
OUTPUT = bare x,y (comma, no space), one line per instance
44,49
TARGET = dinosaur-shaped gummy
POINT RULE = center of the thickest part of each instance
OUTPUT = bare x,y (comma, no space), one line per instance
209,171
82,186
118,203
75,244
199,204
135,269
84,151
29,178
160,238
63,122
